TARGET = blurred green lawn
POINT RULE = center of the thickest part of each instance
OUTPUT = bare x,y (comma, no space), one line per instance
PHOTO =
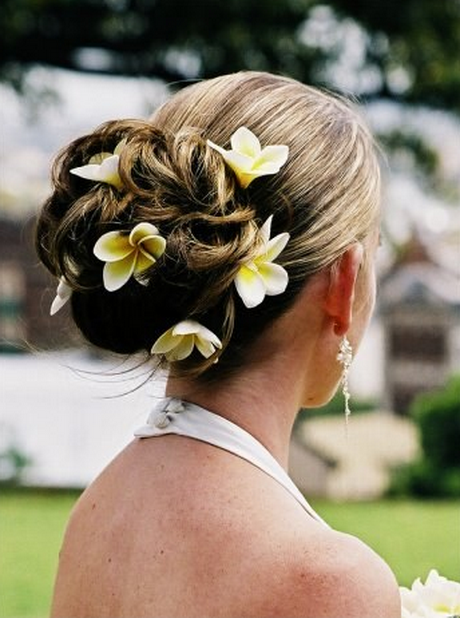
31,528
412,536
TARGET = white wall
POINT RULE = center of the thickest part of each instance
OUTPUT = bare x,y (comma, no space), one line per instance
67,413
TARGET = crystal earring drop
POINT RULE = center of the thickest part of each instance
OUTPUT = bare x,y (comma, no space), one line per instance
345,357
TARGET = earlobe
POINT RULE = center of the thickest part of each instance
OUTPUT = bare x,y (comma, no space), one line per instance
342,284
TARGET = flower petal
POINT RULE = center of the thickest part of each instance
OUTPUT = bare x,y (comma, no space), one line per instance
275,246
187,327
205,338
244,180
166,342
99,157
245,142
154,245
116,274
205,347
265,230
275,155
275,278
240,163
143,261
63,289
183,348
248,160
108,171
141,231
265,168
250,286
188,333
112,246
57,304
119,147
89,172
63,294
204,334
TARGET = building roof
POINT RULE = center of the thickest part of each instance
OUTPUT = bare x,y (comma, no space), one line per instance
417,277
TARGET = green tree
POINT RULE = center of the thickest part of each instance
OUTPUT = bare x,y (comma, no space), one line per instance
408,51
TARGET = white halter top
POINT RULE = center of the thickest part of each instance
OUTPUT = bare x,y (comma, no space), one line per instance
175,416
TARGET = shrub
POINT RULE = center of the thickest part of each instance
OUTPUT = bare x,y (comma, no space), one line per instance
13,464
437,472
438,416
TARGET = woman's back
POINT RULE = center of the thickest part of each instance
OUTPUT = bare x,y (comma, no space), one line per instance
176,527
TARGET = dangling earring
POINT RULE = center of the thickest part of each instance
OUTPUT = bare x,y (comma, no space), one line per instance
345,357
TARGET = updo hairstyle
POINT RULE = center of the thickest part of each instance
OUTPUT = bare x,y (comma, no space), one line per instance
326,196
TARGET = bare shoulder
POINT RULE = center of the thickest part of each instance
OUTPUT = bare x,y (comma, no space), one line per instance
331,575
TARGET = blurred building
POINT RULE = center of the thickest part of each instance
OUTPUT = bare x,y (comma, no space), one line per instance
26,291
420,311
360,457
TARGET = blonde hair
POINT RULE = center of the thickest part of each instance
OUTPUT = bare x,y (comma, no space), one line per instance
326,196
331,180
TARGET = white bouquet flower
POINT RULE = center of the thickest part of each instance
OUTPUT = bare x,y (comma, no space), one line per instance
437,597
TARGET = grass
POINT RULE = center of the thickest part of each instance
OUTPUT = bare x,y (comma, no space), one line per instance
412,536
31,529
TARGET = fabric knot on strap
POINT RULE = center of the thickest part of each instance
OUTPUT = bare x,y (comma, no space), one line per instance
164,413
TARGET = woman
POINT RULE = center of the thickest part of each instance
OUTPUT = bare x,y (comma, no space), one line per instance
231,238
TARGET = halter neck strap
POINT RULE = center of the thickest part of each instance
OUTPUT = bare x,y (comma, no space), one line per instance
175,416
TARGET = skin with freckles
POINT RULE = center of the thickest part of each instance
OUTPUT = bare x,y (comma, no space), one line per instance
200,532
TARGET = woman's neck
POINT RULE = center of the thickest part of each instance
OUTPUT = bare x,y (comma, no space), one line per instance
256,406
288,367
264,399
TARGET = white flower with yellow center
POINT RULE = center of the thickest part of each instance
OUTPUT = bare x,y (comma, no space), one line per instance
102,167
63,294
260,276
179,341
248,159
128,254
438,597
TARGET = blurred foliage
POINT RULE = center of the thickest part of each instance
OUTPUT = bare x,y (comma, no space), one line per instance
414,151
408,151
438,417
406,51
418,37
13,464
437,472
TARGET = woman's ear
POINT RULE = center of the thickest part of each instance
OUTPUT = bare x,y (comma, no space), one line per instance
342,284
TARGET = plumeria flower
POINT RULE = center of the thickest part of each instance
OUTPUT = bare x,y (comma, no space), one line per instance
178,342
128,254
260,276
437,597
248,159
102,167
63,293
